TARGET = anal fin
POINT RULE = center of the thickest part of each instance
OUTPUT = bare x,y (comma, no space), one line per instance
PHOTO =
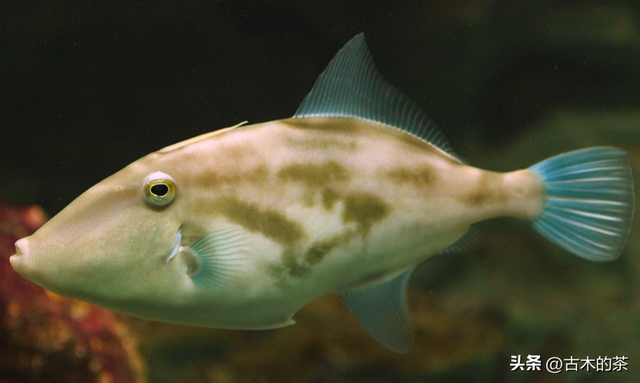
383,313
466,242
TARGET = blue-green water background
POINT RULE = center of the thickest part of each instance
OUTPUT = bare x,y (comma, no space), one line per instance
86,88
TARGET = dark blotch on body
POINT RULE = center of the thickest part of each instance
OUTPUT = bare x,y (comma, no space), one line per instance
327,125
292,264
315,175
365,209
488,190
319,249
270,223
329,198
423,175
318,143
317,178
257,175
298,264
235,152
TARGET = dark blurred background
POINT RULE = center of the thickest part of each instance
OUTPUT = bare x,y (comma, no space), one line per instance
88,87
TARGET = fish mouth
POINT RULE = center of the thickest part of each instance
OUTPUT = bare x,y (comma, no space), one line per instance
18,260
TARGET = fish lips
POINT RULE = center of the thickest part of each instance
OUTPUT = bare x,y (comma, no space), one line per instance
27,264
20,261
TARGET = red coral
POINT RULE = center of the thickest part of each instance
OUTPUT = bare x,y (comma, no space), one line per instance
48,338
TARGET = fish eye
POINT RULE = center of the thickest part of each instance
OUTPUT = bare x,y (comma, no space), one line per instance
159,188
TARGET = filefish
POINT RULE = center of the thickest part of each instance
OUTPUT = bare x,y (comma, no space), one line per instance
241,227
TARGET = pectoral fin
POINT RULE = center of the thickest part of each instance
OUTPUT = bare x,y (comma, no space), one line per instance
382,311
216,257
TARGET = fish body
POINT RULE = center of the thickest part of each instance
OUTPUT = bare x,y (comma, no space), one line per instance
242,227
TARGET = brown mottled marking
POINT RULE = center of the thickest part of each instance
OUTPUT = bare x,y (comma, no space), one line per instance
316,142
319,249
235,152
329,198
296,265
352,126
258,174
423,175
330,125
313,175
270,223
365,209
308,198
291,263
277,271
489,190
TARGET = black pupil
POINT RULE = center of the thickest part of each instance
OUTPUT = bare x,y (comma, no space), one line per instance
160,190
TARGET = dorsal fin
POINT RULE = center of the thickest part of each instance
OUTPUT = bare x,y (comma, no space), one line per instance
351,86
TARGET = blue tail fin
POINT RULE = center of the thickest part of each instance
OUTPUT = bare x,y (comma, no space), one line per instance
589,202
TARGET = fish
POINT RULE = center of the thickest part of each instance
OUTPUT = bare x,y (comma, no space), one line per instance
241,227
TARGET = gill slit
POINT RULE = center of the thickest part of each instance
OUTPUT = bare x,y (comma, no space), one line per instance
176,245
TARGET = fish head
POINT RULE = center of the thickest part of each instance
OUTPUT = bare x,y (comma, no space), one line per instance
112,244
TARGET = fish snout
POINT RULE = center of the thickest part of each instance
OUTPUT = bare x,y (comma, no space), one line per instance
18,259
27,262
